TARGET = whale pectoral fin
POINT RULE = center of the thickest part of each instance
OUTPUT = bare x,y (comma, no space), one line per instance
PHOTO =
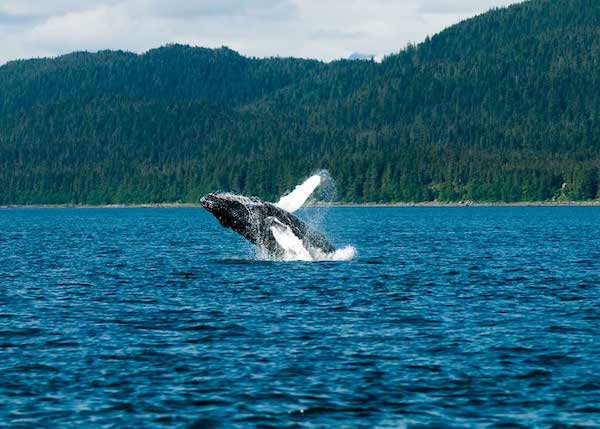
296,199
291,245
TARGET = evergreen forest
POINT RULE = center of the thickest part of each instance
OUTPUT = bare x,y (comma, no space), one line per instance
502,107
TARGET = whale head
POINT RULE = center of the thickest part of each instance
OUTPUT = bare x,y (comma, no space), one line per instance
232,211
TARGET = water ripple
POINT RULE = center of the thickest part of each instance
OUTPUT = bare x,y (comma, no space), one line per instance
160,318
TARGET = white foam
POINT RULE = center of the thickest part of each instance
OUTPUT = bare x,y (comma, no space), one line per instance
344,254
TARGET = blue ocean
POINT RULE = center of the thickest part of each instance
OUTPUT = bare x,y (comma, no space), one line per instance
445,317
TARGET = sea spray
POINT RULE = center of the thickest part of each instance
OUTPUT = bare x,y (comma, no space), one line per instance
344,254
316,207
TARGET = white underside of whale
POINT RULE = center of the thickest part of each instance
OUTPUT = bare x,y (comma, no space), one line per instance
293,247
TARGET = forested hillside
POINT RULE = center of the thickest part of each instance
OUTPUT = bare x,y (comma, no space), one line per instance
501,107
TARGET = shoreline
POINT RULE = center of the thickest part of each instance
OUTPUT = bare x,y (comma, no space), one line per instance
432,204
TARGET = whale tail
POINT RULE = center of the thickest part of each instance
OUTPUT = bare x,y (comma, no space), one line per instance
296,199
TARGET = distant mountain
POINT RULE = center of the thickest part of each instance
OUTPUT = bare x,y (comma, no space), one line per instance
501,107
365,57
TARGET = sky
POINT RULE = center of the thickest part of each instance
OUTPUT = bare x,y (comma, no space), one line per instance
323,29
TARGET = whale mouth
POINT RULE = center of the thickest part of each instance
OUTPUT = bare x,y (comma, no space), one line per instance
209,202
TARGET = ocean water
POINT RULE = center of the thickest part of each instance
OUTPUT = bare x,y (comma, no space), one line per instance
468,317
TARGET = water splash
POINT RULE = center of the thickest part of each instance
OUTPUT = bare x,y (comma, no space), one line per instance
315,209
344,254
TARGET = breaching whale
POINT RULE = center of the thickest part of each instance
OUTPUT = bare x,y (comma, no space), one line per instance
271,226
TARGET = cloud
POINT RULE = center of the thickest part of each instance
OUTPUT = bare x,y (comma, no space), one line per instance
325,29
48,7
11,20
209,8
460,7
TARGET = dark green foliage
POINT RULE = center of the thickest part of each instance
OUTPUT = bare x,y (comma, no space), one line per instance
501,107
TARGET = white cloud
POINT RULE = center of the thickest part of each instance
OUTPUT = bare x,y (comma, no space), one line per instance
325,29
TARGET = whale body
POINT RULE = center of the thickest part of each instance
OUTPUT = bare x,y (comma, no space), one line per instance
268,225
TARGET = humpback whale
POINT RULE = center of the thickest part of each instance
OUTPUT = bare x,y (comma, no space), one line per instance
271,226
